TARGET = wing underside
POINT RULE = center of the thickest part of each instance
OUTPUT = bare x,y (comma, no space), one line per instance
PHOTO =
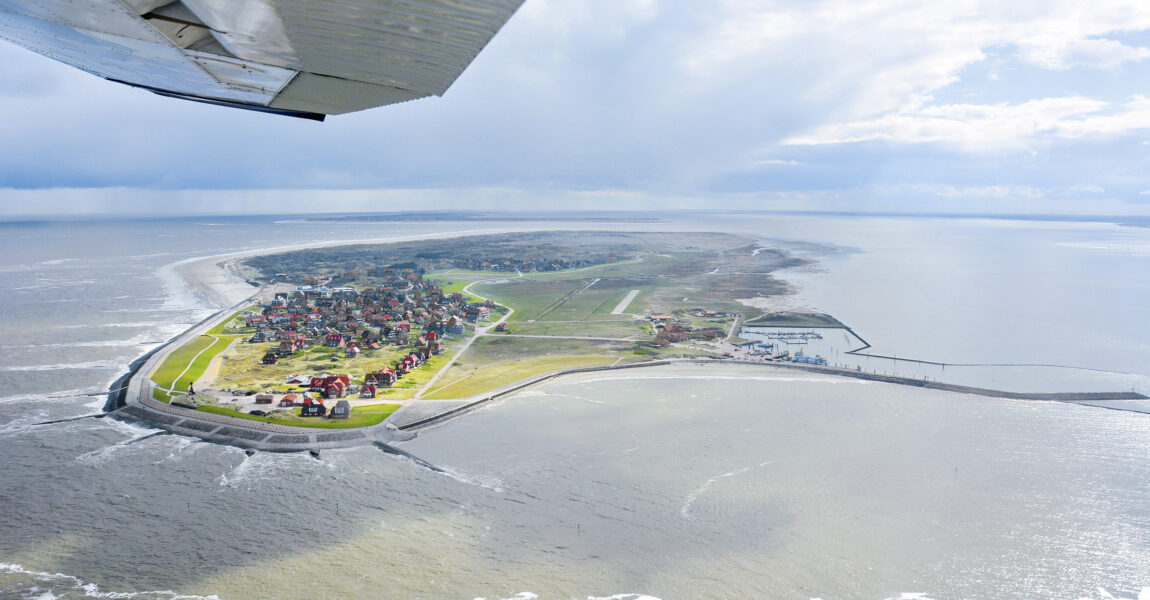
298,57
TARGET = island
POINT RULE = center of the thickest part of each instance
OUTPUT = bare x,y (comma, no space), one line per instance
365,343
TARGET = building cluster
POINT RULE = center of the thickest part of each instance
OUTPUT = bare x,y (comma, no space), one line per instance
526,264
405,312
668,332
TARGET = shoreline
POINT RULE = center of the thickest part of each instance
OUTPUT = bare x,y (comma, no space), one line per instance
215,278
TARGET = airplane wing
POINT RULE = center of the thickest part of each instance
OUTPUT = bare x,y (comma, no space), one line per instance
303,58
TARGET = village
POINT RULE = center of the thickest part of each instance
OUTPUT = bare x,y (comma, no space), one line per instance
388,330
347,342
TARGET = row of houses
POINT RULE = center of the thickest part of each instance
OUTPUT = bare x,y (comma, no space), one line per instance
310,406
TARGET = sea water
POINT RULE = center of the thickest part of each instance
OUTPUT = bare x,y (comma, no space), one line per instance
676,483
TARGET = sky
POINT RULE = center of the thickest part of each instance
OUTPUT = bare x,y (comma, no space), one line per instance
1028,106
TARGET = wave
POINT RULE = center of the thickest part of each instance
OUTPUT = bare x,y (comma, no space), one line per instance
685,510
147,339
125,324
178,294
43,585
137,430
92,364
44,284
262,466
487,482
92,391
22,424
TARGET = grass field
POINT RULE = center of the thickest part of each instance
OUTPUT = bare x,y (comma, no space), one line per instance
497,361
243,369
480,381
606,329
186,364
361,416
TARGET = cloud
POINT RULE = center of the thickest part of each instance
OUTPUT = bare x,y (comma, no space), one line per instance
658,100
993,128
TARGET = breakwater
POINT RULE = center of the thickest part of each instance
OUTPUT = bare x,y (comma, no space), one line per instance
933,385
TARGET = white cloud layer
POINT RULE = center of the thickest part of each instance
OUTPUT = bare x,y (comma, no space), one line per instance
795,101
992,128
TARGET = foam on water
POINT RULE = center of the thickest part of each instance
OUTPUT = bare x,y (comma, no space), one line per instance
178,294
101,455
685,509
91,364
42,584
489,482
178,444
66,395
262,466
26,422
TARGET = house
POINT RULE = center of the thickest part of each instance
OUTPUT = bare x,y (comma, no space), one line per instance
334,389
351,351
270,359
333,340
288,401
384,377
367,391
286,347
313,409
341,410
264,398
